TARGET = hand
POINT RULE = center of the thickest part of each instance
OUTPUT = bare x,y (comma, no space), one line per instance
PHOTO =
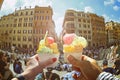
35,66
87,66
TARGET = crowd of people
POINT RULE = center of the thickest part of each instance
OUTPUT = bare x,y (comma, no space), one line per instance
72,73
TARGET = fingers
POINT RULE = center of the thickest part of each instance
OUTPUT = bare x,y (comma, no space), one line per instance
86,58
37,57
73,60
48,62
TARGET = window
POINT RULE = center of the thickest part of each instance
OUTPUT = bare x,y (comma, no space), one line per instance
21,13
89,32
20,19
85,31
14,32
79,25
70,14
26,13
19,25
88,26
10,31
15,20
30,24
25,25
24,38
24,46
19,31
29,38
30,19
14,38
19,38
84,25
69,19
19,45
79,14
80,31
31,13
24,31
7,25
40,31
42,17
89,37
10,25
30,31
15,25
79,20
16,14
25,19
47,17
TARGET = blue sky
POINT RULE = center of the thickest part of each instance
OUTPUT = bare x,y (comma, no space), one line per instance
109,9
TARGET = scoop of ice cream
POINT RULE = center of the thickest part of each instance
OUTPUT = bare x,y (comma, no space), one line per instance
74,43
68,38
47,46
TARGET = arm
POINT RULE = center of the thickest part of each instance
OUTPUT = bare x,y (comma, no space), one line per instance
34,66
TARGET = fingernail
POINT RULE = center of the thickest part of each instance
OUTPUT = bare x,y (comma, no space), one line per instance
82,58
70,57
54,59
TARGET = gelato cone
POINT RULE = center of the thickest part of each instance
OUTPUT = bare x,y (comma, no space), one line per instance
48,49
75,46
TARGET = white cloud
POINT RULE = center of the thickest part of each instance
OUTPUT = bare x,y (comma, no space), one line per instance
59,22
116,8
10,5
118,0
107,18
81,3
89,9
7,7
109,2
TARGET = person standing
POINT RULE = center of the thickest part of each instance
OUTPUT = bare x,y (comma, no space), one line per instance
49,75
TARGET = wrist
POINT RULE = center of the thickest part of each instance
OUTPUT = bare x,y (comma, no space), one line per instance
22,77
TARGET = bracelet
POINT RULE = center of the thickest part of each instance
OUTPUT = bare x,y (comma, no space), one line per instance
20,77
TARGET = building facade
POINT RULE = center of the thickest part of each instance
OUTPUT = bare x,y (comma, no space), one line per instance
98,30
26,27
87,25
113,31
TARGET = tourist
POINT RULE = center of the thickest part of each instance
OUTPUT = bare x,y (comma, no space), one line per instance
88,68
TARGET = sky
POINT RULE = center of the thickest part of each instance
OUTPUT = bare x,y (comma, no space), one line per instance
109,9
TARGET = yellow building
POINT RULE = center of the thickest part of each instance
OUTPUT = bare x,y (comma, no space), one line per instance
6,28
26,27
113,31
98,30
87,25
43,22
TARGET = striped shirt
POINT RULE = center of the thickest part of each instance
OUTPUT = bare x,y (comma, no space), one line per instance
107,76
